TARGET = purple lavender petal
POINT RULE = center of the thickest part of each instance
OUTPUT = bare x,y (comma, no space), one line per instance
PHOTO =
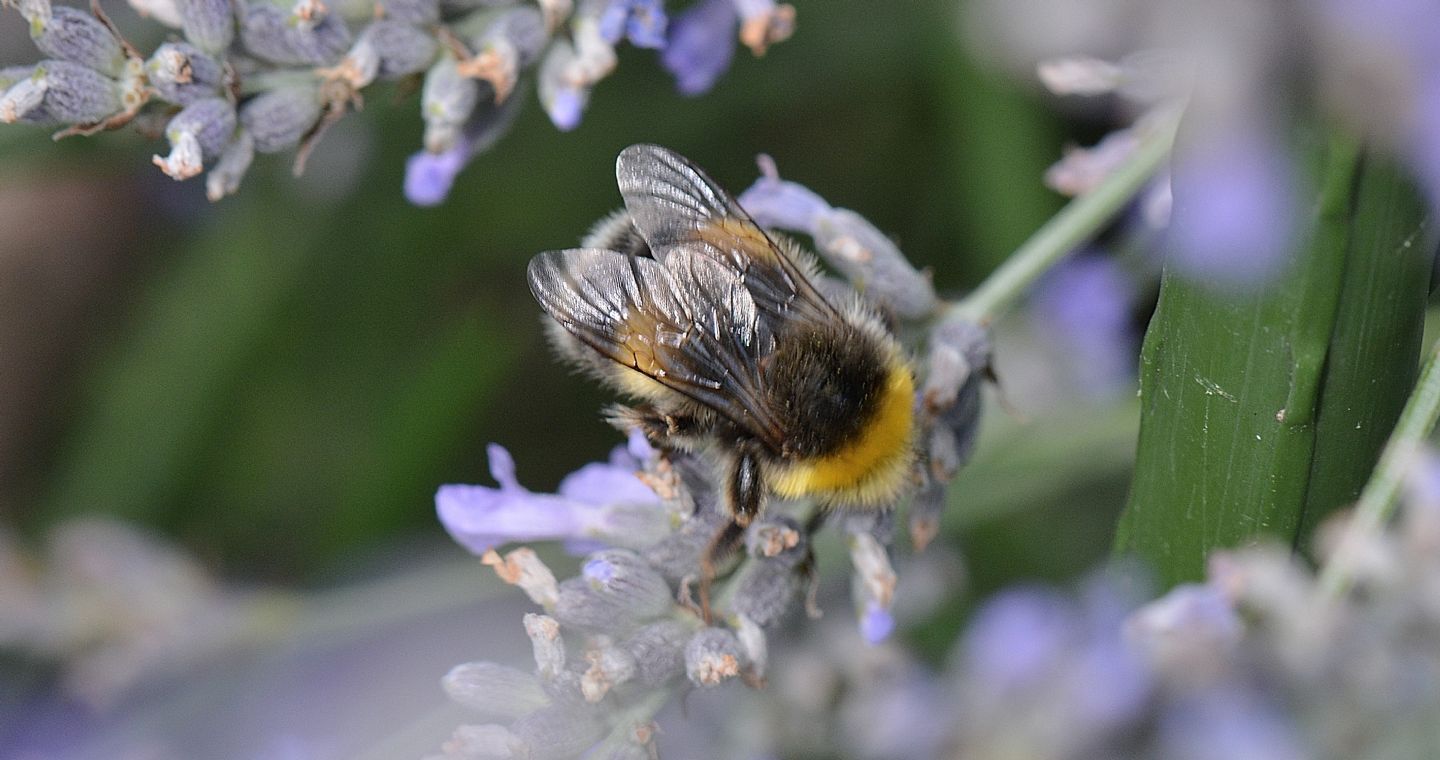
1083,305
1233,217
566,108
876,624
598,569
701,45
481,518
600,483
429,176
784,205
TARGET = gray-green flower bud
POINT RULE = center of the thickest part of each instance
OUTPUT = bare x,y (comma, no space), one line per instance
234,161
273,34
496,691
278,119
182,73
199,133
61,92
208,24
393,49
71,35
445,103
712,656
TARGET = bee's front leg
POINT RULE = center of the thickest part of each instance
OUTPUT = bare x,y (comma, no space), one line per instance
666,430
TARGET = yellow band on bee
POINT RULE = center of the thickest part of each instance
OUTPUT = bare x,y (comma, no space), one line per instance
871,469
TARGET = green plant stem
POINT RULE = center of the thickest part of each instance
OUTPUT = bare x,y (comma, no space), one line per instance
1077,223
1377,500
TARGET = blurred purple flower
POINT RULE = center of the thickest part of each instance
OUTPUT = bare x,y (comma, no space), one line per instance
1233,215
1083,306
701,45
1398,39
1018,636
602,502
876,623
566,108
1232,723
429,176
642,21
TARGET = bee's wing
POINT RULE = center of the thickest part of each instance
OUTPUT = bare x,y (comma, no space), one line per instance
673,202
690,324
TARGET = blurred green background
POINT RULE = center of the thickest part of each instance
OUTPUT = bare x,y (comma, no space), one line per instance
281,380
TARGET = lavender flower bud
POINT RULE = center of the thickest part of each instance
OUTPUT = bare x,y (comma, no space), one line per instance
61,92
628,582
197,134
71,35
235,160
563,92
752,642
512,40
658,650
208,24
277,119
445,103
958,363
181,73
414,12
399,49
495,690
711,656
677,555
272,33
610,666
487,742
873,585
558,732
581,606
544,633
767,586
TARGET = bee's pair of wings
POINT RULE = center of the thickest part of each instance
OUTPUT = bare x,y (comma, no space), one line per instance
698,316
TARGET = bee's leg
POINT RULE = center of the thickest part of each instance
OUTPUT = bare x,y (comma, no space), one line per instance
719,548
745,490
663,429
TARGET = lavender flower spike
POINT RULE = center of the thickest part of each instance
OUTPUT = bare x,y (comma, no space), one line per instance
603,502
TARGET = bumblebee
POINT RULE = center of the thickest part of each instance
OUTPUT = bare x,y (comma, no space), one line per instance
681,301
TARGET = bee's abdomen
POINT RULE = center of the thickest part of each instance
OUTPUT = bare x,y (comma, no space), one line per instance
848,399
825,380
